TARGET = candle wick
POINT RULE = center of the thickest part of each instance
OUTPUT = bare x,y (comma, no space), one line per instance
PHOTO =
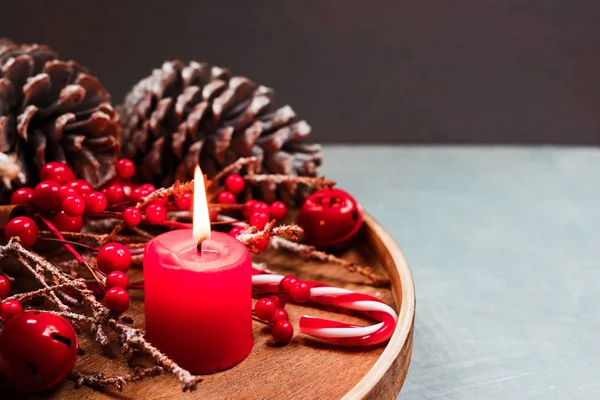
199,245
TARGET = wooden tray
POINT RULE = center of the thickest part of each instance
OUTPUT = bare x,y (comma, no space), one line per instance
304,369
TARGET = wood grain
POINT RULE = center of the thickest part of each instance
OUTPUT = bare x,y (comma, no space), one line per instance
304,369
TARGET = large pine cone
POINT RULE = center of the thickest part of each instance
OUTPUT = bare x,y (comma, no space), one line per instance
184,114
52,110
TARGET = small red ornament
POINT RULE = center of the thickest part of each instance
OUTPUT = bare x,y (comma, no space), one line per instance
10,308
278,300
117,279
23,227
261,207
4,286
183,202
279,315
73,205
155,213
22,196
138,194
57,172
235,183
113,257
282,331
116,299
226,197
67,224
81,187
46,195
265,309
37,351
95,202
287,282
66,191
132,216
249,208
278,210
331,219
115,194
125,168
300,292
259,220
236,231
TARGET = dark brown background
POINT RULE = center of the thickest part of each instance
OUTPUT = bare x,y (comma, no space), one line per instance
368,71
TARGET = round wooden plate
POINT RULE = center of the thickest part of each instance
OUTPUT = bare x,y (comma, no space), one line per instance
304,369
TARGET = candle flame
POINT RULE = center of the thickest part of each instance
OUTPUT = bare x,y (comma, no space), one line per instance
201,221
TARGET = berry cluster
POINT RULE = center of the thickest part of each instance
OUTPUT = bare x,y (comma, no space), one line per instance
8,308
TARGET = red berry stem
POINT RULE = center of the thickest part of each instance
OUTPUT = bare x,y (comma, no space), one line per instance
260,320
174,224
64,241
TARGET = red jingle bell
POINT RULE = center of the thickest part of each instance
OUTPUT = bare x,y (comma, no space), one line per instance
331,219
37,351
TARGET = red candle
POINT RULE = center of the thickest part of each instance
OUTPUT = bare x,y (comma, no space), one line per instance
198,304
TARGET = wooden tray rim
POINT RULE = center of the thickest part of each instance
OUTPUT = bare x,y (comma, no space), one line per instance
402,288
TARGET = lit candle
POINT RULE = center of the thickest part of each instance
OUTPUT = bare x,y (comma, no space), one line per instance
198,298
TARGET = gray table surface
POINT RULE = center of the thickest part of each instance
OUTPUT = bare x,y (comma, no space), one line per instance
504,247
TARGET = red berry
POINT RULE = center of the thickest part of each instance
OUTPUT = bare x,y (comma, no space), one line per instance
132,216
226,197
95,202
287,282
278,210
280,315
22,196
81,187
300,292
67,224
184,201
4,286
73,206
117,279
66,191
278,300
265,309
282,331
10,308
259,220
235,183
138,194
95,288
125,168
116,299
149,187
212,215
57,172
114,194
249,207
24,228
46,195
155,213
261,244
113,257
236,231
261,207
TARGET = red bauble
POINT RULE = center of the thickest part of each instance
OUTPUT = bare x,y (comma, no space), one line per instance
113,257
37,351
117,279
331,219
125,168
226,197
278,210
300,292
95,202
235,183
279,315
155,213
259,220
10,308
116,299
115,194
282,331
73,205
184,201
81,187
23,227
67,224
22,196
57,172
132,216
46,195
4,286
265,309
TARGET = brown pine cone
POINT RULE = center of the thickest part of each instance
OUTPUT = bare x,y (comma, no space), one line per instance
184,114
52,110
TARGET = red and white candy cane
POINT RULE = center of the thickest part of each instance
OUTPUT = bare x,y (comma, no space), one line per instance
335,331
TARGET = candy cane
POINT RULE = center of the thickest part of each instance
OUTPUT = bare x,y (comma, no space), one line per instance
334,331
